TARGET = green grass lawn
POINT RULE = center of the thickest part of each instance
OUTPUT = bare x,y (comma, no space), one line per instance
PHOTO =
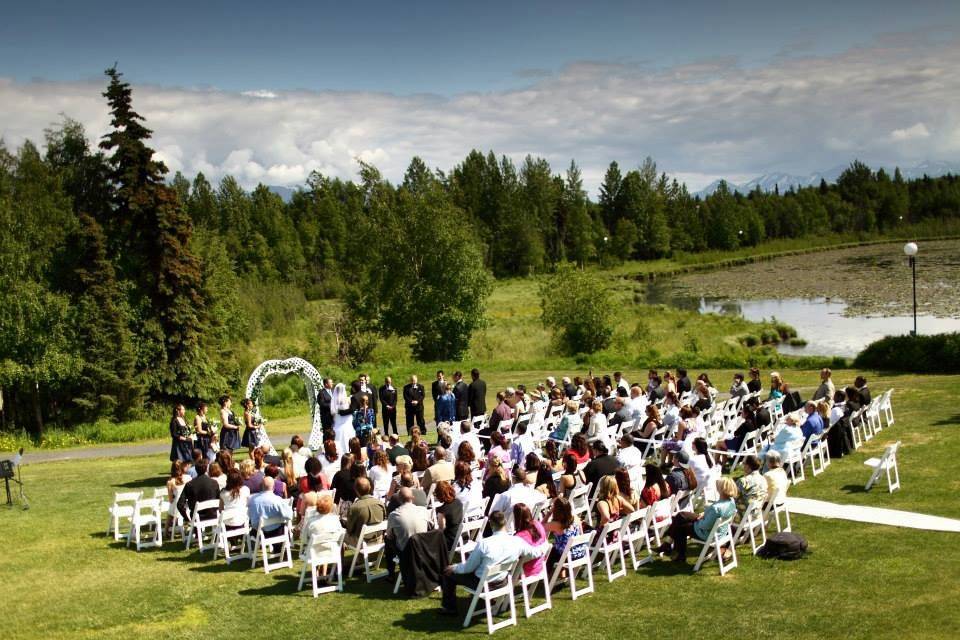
63,578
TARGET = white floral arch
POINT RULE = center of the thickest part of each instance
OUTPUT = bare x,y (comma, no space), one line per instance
312,382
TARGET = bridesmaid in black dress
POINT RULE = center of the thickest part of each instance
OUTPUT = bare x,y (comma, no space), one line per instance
181,448
229,426
201,426
251,435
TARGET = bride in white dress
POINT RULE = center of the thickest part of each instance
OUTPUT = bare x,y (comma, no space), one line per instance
342,418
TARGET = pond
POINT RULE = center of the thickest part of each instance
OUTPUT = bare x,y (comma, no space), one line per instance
838,301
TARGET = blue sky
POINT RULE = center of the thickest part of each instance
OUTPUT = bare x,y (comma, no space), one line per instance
706,88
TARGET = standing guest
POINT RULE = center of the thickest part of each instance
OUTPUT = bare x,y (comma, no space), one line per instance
683,382
202,429
251,434
462,393
446,407
252,477
266,504
388,404
365,510
497,548
754,386
181,448
739,387
404,522
826,389
477,395
342,418
233,501
175,484
531,531
324,399
564,525
860,384
369,390
687,523
229,426
449,513
437,388
413,395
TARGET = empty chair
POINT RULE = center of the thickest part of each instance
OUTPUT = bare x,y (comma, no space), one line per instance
147,517
886,405
494,587
227,533
322,554
633,531
122,510
885,463
266,540
470,531
580,503
817,454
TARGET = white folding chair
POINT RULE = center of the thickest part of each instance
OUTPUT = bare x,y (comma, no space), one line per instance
225,537
886,405
887,462
659,518
370,547
607,544
632,531
122,508
467,537
198,525
528,587
580,503
751,526
314,556
775,507
713,546
576,545
793,464
815,452
146,517
265,541
495,585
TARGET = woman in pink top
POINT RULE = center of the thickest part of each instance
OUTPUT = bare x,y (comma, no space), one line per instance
531,532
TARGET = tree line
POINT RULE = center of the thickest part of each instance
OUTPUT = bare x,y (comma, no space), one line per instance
120,285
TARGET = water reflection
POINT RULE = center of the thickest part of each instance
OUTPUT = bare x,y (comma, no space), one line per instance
819,321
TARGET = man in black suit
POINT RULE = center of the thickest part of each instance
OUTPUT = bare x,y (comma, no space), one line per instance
201,488
460,392
371,392
437,389
477,395
683,382
413,395
388,402
324,398
569,389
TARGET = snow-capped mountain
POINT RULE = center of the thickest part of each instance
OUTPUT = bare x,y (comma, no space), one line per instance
783,181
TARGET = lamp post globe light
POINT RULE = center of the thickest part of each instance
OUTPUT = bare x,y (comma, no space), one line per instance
911,249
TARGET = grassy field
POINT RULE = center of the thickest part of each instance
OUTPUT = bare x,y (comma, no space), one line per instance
65,579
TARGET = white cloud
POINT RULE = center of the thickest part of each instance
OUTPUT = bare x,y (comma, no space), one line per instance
916,132
698,121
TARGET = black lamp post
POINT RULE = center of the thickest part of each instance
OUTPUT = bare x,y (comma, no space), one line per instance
910,249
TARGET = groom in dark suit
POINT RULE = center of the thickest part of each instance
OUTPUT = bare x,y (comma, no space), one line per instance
461,393
477,395
413,395
324,398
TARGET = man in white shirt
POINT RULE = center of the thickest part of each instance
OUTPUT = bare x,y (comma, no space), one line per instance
467,434
403,522
620,380
497,548
628,455
522,492
637,404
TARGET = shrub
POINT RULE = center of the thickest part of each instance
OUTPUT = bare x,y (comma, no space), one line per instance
798,342
578,310
749,341
917,354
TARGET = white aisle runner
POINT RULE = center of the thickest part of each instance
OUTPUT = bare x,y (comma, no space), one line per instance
874,515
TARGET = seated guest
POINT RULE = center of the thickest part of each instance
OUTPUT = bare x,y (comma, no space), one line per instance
301,453
469,491
705,469
216,472
671,410
380,474
251,477
403,522
654,488
543,476
365,510
652,421
680,477
751,485
266,504
838,409
343,479
469,436
523,443
596,422
754,386
602,463
532,532
395,449
419,457
522,492
572,476
440,470
563,524
330,460
787,442
739,387
625,487
496,481
321,531
747,425
813,425
497,548
628,456
499,448
407,481
776,387
313,481
569,423
701,396
776,478
621,413
611,506
404,465
860,384
279,487
201,488
687,523
579,449
449,513
233,501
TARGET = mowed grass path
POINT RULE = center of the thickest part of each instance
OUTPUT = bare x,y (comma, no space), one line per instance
63,578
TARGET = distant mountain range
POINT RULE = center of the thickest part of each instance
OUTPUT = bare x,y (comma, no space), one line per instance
286,193
783,181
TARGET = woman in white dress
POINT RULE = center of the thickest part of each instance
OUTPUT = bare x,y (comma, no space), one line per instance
342,419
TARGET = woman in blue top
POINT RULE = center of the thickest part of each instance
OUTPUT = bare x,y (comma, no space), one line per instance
687,523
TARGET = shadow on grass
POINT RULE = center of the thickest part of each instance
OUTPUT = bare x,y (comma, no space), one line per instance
853,488
430,620
284,585
952,421
152,481
664,568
